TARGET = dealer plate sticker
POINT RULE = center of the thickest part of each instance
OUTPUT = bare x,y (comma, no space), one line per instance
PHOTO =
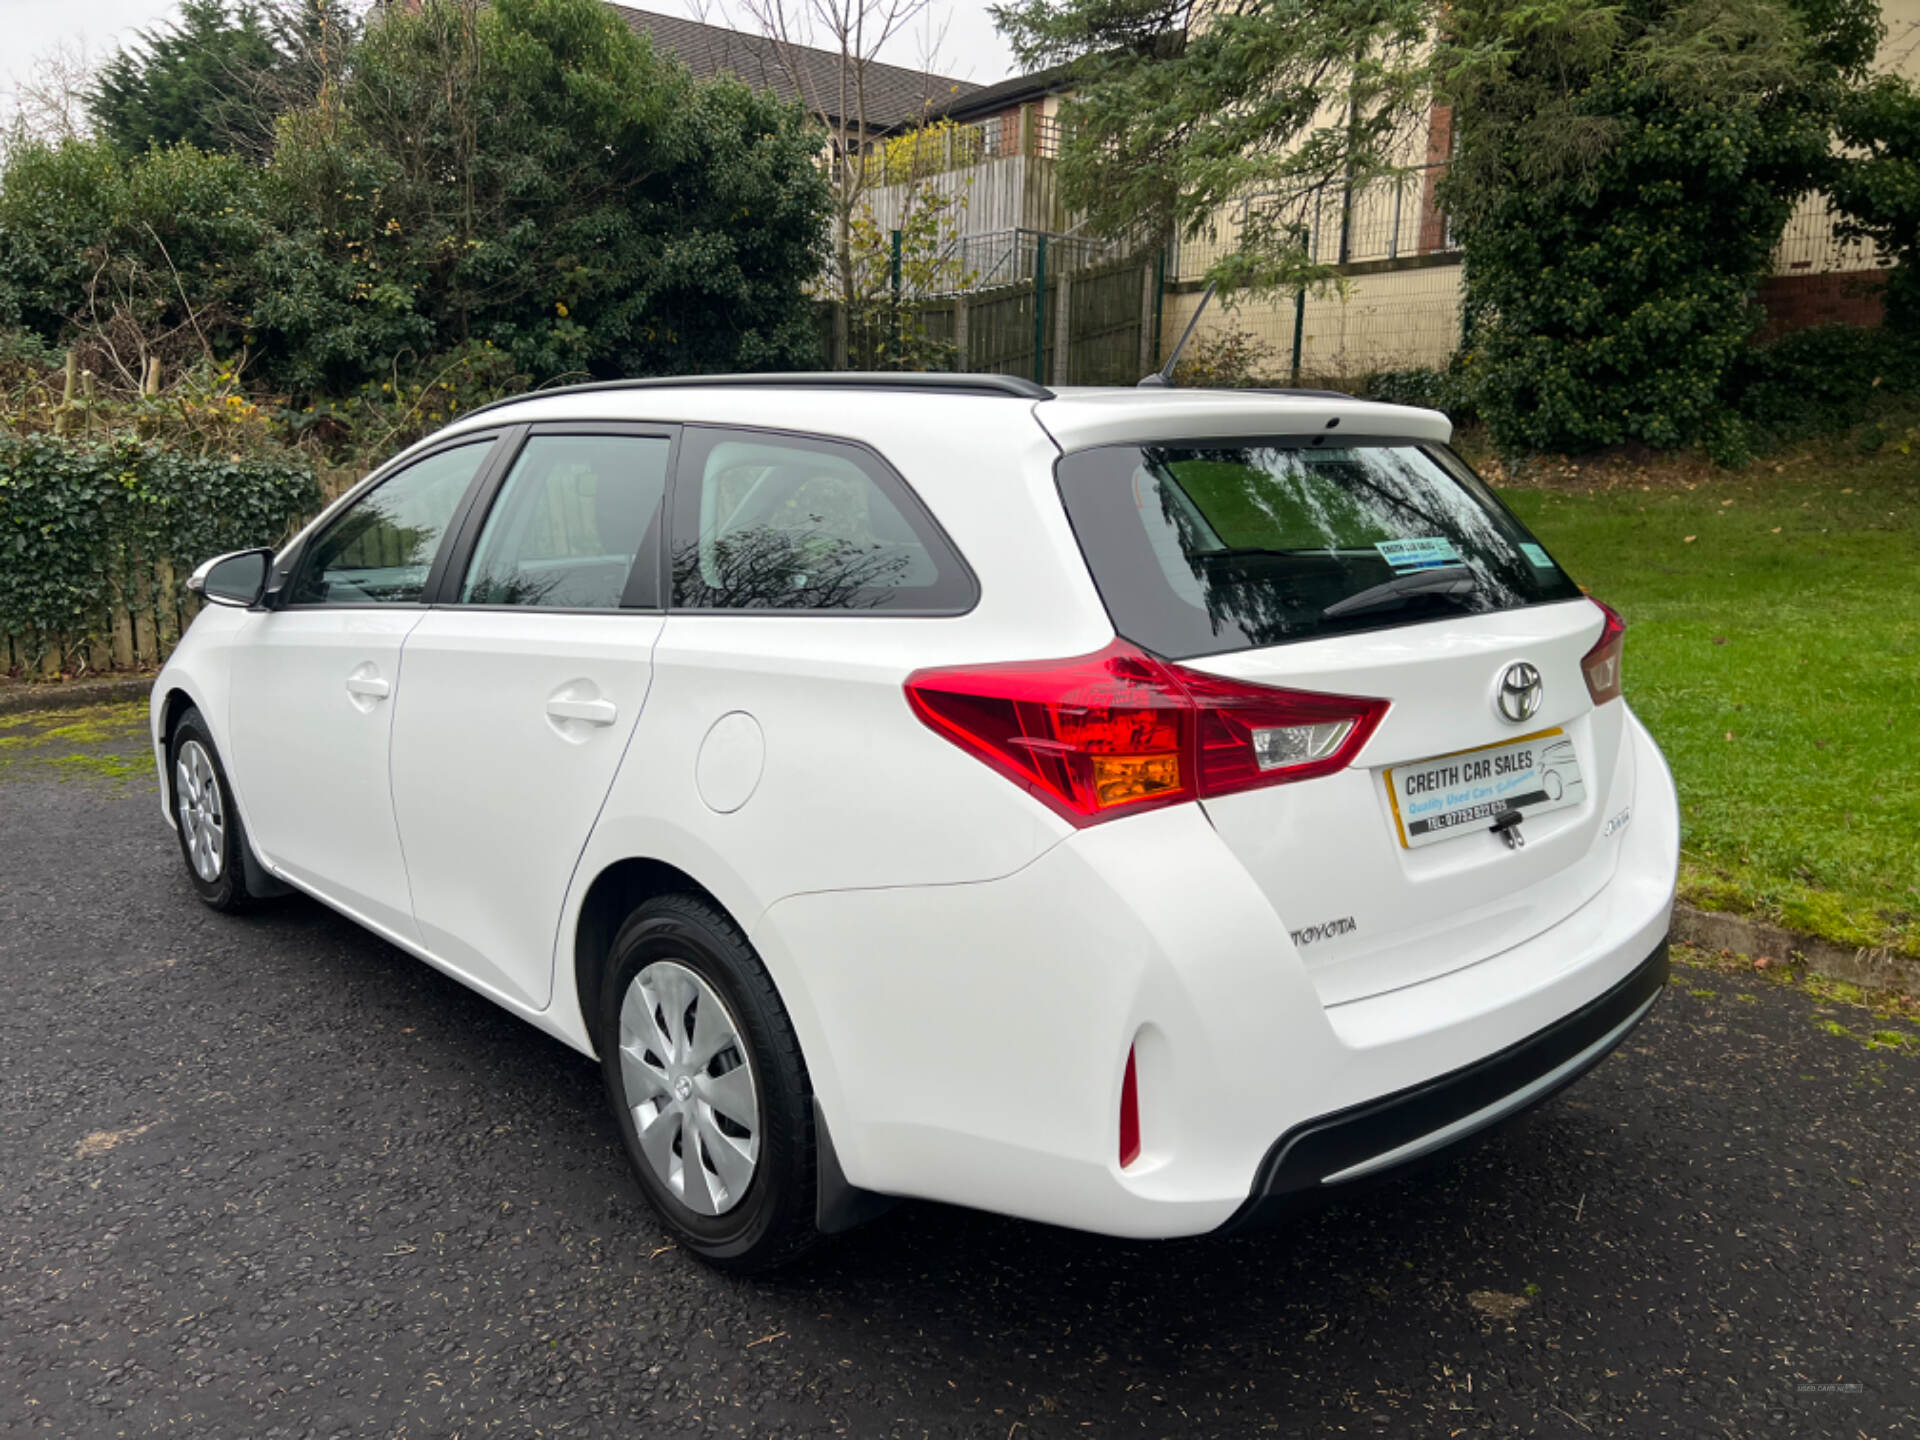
1430,552
1457,794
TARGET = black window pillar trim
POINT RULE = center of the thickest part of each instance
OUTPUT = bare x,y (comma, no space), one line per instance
463,531
450,566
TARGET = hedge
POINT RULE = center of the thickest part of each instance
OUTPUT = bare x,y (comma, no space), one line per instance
96,538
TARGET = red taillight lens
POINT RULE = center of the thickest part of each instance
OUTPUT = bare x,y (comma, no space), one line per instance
1089,736
1129,1115
1118,730
1601,664
1258,735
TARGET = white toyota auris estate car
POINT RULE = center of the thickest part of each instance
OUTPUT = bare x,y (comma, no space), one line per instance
1136,810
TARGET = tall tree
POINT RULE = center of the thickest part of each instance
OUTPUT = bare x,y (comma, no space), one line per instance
1624,169
840,98
179,81
217,76
529,173
521,178
1182,108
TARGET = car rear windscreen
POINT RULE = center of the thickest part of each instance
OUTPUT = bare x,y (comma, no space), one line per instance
1201,548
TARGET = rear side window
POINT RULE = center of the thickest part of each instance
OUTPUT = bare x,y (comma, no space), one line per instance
779,522
575,512
1199,549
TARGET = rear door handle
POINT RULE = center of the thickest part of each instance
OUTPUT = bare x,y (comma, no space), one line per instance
594,712
371,686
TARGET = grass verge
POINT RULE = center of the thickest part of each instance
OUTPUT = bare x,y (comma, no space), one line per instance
1773,648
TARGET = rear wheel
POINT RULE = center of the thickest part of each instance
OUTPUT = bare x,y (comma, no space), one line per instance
212,841
708,1087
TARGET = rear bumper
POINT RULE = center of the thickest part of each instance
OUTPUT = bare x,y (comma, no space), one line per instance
968,1043
1383,1138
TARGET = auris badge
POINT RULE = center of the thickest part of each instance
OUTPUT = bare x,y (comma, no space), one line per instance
1518,696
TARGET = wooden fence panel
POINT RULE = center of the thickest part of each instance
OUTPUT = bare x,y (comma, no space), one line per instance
147,610
1000,330
1104,328
1108,305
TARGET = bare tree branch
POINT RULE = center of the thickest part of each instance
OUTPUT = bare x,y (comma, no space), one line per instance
49,102
839,96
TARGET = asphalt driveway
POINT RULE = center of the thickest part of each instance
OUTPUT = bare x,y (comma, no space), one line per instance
271,1177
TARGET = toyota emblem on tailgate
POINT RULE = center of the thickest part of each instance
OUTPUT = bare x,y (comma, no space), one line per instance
1518,698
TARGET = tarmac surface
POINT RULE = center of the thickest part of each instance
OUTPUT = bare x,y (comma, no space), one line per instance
270,1177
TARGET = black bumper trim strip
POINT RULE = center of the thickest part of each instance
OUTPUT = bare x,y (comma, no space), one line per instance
1296,1170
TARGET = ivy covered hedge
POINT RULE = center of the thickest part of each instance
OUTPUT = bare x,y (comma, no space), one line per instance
89,532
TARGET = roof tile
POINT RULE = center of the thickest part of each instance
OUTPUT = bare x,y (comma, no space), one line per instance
895,95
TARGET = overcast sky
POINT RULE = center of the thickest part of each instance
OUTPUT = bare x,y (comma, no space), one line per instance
31,28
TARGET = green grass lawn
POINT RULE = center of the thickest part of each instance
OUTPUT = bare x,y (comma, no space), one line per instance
1773,648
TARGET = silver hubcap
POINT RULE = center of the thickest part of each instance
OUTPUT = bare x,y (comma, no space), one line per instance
202,821
689,1087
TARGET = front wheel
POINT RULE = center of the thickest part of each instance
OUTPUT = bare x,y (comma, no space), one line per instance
708,1086
212,841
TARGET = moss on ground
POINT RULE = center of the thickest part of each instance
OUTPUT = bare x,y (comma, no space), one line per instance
102,742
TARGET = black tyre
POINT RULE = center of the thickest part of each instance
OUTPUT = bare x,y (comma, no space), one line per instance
212,841
708,1086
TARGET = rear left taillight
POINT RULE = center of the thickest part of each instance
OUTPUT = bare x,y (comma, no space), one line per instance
1119,730
1601,664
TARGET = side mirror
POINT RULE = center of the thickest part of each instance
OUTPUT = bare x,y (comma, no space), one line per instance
235,579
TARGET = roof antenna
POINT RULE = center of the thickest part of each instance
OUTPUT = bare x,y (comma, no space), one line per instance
1162,379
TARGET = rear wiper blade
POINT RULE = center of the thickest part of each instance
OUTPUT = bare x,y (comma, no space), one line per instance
1442,580
1259,552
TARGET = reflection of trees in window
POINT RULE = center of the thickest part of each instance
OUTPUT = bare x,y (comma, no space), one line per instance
1483,540
1322,512
512,587
368,538
764,568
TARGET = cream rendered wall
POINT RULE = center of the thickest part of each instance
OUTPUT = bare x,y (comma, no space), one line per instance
1388,320
1411,317
1900,50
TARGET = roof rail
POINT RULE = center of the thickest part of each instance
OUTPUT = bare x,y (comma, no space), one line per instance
936,383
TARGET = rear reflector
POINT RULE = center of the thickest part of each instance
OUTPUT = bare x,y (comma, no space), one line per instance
1119,731
1129,1115
1601,664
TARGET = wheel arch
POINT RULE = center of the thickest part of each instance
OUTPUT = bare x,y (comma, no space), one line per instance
173,705
177,702
262,883
617,891
620,889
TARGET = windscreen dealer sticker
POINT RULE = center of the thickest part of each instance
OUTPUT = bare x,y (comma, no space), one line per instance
1457,794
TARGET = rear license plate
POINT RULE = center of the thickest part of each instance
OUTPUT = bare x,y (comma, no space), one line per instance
1457,794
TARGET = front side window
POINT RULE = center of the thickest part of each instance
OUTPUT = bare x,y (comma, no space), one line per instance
1199,549
379,550
574,521
766,522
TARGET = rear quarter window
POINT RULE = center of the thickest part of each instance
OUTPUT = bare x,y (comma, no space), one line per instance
767,521
1202,548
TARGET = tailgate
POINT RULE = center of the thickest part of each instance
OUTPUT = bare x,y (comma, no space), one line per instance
1375,897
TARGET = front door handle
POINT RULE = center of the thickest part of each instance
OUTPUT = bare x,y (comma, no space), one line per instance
594,712
372,687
